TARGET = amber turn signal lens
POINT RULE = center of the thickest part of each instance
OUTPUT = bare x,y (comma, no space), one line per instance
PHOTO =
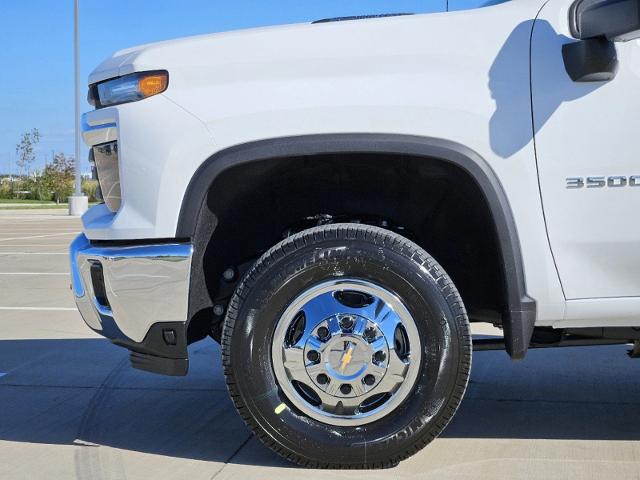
152,84
129,88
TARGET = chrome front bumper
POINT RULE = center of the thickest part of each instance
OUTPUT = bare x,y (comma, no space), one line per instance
122,291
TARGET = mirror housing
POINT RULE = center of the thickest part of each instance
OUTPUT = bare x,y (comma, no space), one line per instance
615,20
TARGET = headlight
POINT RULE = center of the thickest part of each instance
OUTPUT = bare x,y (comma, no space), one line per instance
129,88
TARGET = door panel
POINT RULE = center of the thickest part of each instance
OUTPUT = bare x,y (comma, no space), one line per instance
589,133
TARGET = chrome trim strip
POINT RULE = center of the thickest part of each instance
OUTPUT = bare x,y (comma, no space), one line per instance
144,284
90,128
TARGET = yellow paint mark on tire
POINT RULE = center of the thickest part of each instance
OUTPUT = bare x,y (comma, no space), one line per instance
280,408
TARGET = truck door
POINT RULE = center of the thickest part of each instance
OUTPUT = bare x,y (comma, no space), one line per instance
587,139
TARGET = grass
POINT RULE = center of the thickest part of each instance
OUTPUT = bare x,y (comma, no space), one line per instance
18,200
53,206
33,205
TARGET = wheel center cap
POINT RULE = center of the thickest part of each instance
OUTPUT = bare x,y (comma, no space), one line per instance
347,357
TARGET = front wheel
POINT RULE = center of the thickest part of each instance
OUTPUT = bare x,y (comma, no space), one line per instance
346,346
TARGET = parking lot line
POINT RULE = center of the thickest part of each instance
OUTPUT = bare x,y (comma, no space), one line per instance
38,226
7,227
41,309
35,231
33,253
66,244
38,236
12,230
34,273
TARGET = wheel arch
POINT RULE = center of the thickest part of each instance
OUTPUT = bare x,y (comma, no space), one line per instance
519,319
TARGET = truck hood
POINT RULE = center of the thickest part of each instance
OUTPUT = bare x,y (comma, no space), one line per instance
255,44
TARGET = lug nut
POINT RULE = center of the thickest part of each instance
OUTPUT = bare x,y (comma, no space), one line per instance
313,356
345,389
323,333
369,380
370,334
218,310
346,323
229,274
379,356
322,379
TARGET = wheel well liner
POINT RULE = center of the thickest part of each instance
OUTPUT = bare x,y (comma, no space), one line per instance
519,319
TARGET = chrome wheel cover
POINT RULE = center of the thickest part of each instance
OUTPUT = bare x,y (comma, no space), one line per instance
346,352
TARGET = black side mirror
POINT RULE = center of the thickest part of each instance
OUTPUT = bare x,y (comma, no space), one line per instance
615,20
597,24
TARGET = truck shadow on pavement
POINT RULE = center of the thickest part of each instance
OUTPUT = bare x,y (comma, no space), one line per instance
84,392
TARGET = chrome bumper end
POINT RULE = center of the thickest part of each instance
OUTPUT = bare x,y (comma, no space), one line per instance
124,291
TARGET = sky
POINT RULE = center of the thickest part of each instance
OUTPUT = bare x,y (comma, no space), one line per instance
36,49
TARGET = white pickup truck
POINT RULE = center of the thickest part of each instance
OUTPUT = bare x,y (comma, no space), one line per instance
335,202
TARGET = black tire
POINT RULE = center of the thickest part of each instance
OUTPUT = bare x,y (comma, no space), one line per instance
375,255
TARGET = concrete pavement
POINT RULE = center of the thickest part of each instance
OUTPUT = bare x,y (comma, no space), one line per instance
71,406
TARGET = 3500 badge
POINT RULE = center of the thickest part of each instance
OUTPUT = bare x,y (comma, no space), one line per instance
600,182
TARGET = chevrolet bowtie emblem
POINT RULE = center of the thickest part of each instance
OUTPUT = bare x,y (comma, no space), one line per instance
347,355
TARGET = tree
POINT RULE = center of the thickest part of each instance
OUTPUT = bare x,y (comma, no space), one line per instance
26,150
58,176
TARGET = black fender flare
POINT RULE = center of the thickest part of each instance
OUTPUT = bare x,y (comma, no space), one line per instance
519,319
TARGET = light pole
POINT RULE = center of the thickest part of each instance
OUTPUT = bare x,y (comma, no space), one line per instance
78,203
